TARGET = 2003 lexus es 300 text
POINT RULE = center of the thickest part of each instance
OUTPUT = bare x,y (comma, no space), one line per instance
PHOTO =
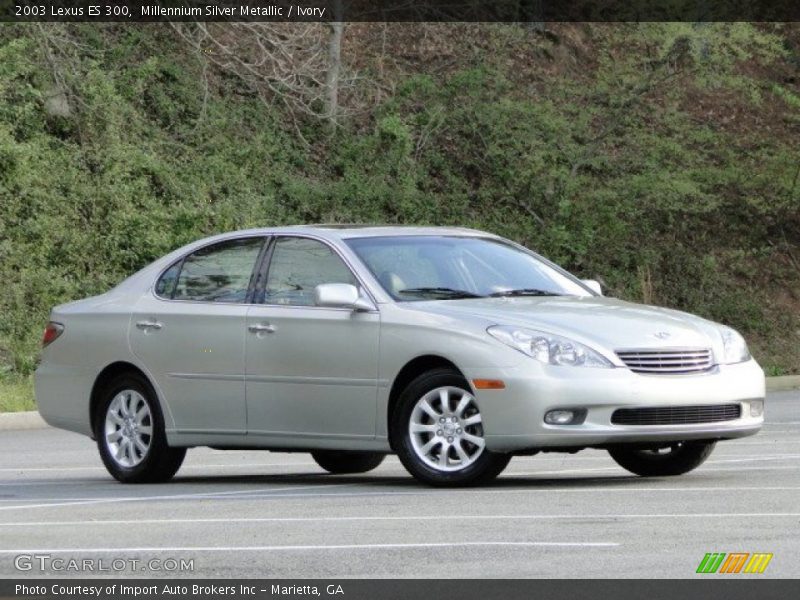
453,348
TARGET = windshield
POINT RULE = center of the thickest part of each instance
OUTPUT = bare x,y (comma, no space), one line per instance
447,267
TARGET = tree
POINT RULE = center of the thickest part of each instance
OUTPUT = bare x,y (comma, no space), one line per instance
298,64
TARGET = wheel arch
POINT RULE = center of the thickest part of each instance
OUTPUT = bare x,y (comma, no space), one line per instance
410,371
109,373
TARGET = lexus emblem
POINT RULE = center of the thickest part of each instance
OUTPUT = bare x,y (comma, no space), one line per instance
662,335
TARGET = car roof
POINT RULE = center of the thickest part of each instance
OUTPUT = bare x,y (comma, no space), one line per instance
348,230
333,233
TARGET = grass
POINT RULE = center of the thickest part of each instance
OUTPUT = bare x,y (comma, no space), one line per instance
16,394
774,370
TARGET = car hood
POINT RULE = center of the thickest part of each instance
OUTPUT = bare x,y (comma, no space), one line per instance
597,321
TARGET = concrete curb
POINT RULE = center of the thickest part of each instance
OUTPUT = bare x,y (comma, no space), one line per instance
783,383
32,420
21,420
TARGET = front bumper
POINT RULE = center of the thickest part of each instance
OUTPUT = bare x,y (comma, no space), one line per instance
513,418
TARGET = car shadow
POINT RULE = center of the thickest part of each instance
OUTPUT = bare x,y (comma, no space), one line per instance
402,483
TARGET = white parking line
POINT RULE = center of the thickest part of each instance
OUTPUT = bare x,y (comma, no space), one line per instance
291,492
758,468
73,482
253,520
184,467
109,480
506,491
199,495
757,458
623,473
155,549
758,443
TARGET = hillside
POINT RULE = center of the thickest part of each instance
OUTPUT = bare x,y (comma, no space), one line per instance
662,159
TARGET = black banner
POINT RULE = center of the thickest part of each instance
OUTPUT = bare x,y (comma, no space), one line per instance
711,588
400,10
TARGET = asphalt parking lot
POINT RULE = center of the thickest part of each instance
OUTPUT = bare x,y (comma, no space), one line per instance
258,514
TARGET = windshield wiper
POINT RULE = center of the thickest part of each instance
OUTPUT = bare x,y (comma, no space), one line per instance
448,293
524,292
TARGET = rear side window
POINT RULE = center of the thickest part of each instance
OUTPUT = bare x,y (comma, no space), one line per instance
217,273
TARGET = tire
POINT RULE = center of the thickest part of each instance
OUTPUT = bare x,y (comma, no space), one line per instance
420,451
676,459
128,411
340,463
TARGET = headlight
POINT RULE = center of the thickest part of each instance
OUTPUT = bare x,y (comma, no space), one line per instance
735,347
548,348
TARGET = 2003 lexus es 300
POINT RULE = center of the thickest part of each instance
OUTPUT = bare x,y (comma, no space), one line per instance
453,348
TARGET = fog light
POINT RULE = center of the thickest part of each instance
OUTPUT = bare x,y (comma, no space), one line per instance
564,417
756,408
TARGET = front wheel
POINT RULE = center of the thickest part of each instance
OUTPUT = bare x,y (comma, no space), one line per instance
129,430
437,432
675,459
341,462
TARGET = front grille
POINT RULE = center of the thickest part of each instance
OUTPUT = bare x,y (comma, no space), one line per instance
676,415
678,361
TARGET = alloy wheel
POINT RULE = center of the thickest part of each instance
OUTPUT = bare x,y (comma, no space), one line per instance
446,429
128,428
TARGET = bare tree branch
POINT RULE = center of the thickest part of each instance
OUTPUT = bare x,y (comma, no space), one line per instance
298,64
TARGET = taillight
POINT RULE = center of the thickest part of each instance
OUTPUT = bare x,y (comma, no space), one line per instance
51,332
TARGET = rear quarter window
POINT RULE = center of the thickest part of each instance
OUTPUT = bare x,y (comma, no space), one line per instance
165,286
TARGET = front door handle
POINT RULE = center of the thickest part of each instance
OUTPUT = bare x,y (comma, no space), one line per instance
145,325
262,328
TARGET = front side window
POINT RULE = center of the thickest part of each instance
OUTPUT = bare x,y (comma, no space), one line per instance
298,266
218,273
451,267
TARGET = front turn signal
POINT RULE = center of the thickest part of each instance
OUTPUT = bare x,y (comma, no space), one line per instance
488,384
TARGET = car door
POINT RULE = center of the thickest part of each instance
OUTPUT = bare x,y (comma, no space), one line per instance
310,370
190,334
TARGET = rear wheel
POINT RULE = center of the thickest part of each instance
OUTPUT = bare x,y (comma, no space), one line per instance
129,430
437,432
341,462
675,459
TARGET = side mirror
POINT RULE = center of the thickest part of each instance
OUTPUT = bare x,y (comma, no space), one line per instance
340,295
593,285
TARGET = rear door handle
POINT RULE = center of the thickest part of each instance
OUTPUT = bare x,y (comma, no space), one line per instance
263,327
145,325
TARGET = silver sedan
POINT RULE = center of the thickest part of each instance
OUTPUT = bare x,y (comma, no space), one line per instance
453,348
